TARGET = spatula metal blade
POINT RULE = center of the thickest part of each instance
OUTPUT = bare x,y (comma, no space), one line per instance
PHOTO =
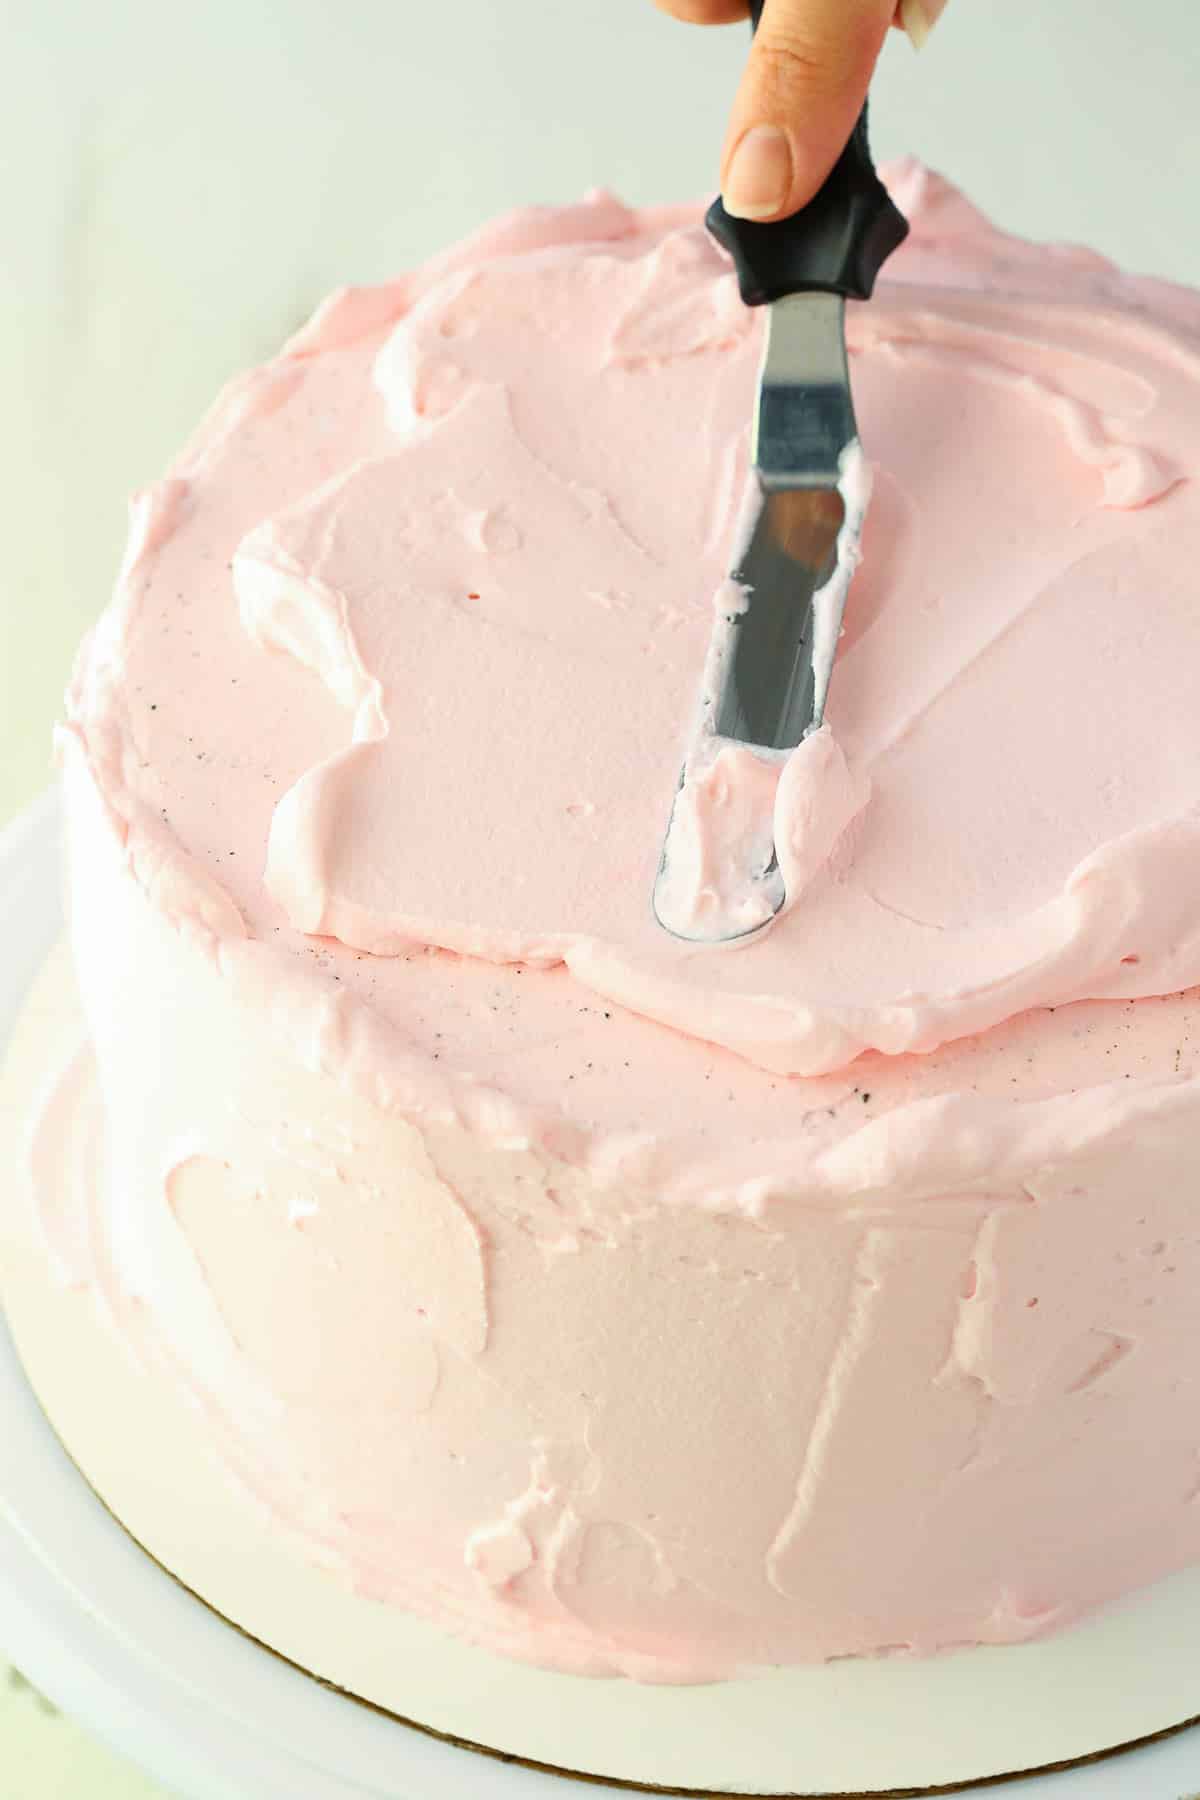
770,662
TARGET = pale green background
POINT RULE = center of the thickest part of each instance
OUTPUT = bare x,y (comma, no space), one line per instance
182,184
45,1757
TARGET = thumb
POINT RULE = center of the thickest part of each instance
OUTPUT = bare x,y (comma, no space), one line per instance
808,73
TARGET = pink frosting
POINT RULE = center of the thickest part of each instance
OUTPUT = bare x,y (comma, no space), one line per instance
369,765
475,562
749,831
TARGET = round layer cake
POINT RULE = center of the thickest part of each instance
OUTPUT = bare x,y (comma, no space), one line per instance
628,1305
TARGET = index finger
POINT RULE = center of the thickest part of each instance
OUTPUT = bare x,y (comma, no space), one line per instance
803,87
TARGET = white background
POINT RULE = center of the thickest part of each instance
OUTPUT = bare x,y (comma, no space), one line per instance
181,183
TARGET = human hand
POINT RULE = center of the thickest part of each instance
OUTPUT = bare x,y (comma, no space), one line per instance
802,90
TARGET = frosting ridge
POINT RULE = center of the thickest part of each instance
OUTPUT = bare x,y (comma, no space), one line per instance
541,505
423,835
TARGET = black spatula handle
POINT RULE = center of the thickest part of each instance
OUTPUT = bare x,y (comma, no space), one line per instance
837,244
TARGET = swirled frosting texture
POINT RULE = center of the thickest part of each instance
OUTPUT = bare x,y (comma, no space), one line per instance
506,586
628,1305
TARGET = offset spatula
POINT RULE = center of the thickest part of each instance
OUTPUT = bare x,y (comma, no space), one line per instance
770,663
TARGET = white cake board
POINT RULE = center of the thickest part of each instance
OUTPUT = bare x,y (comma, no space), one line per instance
114,1640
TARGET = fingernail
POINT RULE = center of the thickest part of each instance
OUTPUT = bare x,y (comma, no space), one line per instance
759,177
919,17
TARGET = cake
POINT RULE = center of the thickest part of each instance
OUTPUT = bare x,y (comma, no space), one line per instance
627,1306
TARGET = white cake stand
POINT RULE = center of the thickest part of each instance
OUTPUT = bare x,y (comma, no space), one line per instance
115,1641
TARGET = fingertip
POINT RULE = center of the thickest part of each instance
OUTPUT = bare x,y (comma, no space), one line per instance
705,12
759,175
773,170
800,93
